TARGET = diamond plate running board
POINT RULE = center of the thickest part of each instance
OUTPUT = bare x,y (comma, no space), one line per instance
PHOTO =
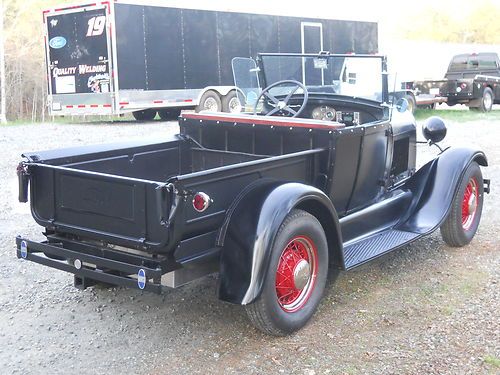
360,252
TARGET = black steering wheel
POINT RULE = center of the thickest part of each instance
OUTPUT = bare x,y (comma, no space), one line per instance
283,105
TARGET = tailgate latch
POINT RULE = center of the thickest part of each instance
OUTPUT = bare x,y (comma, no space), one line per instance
23,179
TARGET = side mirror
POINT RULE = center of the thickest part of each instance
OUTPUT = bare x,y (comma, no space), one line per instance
402,105
434,129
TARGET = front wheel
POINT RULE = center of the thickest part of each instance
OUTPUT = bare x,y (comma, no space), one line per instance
296,277
463,219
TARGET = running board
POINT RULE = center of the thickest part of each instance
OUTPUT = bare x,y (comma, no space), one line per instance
360,252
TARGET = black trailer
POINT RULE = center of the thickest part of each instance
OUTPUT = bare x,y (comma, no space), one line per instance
116,57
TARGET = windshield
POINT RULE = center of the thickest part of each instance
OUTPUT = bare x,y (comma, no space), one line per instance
350,76
355,76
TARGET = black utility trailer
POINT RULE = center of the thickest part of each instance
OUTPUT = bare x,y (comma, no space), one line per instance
316,176
117,57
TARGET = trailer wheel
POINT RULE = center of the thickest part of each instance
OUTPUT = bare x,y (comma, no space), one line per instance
210,102
231,103
144,115
169,114
487,100
463,219
296,277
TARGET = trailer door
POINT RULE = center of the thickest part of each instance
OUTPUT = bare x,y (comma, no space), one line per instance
312,42
78,56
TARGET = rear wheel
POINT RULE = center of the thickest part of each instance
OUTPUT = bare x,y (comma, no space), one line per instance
169,114
231,103
296,277
463,219
145,115
210,102
487,100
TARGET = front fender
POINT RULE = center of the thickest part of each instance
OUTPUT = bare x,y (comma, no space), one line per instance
252,226
435,185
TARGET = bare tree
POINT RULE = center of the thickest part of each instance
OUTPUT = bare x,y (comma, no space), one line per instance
3,118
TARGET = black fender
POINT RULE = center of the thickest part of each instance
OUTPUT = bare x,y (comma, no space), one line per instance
435,185
250,229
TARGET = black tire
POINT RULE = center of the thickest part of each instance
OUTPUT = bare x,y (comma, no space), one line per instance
144,115
169,114
460,227
210,101
277,318
231,103
487,100
412,103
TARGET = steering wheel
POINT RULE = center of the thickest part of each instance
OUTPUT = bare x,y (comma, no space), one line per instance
284,104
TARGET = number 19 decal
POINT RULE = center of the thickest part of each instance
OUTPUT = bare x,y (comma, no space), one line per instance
96,26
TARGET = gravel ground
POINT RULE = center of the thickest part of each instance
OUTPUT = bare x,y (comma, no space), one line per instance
424,309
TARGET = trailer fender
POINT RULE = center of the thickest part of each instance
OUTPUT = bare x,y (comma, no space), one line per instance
250,228
435,185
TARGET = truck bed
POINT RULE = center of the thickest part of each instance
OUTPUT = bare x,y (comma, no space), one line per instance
129,194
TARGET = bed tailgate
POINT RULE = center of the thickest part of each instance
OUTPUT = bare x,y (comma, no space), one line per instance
119,210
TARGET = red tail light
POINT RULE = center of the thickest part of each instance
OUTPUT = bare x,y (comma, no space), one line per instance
201,201
463,85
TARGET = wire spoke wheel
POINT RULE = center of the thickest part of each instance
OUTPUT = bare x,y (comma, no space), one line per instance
296,273
464,215
469,203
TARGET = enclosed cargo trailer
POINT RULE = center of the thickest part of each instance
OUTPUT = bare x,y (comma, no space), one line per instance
116,57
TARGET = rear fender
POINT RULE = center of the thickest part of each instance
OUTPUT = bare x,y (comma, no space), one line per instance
250,230
435,185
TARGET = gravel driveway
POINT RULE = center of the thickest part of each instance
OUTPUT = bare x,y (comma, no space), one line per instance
424,309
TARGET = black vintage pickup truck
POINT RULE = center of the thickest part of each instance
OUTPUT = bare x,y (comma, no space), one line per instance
471,79
320,175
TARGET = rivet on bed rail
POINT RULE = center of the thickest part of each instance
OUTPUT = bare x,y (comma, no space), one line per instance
330,132
218,122
201,120
291,128
235,124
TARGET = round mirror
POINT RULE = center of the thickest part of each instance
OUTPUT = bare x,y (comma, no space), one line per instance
434,129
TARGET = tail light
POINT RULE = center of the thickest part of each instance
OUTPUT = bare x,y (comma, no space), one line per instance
463,85
201,201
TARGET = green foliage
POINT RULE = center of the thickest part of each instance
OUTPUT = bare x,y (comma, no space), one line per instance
455,22
492,360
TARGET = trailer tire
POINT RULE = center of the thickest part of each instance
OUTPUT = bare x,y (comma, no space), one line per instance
169,114
144,115
210,102
295,279
231,103
463,219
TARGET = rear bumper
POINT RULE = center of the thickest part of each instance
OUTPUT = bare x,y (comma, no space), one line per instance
89,266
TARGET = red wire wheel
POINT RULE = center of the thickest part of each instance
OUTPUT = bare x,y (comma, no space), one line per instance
470,203
296,273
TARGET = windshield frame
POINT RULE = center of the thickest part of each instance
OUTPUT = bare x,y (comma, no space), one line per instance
383,65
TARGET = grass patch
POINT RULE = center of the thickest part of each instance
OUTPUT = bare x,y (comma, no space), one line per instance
457,115
492,360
